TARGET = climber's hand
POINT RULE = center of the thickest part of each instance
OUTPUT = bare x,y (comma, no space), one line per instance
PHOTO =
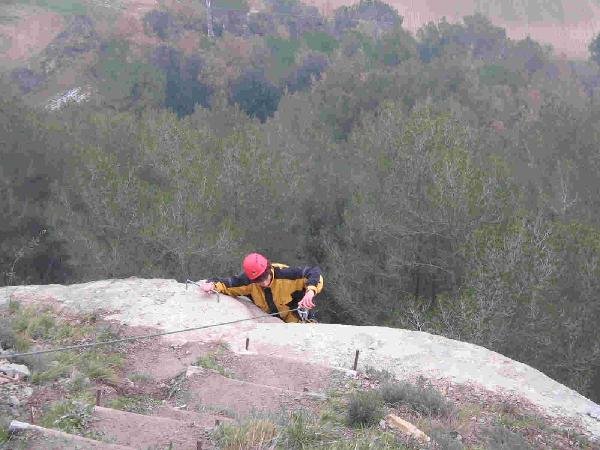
307,300
207,287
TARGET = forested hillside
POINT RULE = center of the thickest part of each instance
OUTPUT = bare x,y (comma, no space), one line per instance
445,182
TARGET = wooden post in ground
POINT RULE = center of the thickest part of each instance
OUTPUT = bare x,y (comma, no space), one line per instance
356,360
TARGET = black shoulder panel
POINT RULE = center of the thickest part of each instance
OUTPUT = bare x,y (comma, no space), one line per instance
289,273
235,281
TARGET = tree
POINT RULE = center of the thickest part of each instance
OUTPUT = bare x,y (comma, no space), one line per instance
395,46
594,49
125,83
311,68
184,90
419,195
255,94
376,11
34,158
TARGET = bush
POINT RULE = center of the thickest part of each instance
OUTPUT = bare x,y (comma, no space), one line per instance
4,434
365,408
7,335
311,68
139,404
500,438
256,433
445,440
380,375
320,41
255,94
162,24
68,416
422,399
210,362
300,432
35,363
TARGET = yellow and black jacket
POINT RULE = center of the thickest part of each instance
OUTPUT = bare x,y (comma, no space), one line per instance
287,288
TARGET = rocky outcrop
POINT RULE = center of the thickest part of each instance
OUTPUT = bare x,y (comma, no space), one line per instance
168,305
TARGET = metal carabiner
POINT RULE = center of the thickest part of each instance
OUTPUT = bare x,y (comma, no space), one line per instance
303,313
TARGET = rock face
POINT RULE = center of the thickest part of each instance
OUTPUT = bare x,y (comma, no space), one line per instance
167,305
14,370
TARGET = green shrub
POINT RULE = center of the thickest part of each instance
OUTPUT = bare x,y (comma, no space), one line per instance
365,408
140,404
27,324
35,363
13,306
301,431
370,440
381,375
501,438
422,399
320,42
40,326
255,434
445,440
100,366
8,337
209,361
4,435
78,384
95,365
57,366
68,416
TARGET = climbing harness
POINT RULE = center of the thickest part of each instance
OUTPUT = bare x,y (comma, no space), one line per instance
302,312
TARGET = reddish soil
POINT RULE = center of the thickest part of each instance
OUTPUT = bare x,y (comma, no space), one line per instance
160,362
189,43
283,373
141,431
30,34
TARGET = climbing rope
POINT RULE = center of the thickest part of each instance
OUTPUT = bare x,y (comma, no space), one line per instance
300,311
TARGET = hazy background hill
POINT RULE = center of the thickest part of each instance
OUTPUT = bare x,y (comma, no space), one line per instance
566,25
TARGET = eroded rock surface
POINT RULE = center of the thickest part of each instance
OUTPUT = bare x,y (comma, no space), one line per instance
167,305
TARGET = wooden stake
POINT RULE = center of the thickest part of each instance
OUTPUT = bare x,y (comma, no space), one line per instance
247,343
356,360
98,395
31,417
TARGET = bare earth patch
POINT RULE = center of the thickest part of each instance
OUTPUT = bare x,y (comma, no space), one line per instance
571,37
31,34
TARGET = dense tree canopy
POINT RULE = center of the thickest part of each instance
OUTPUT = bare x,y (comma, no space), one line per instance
446,182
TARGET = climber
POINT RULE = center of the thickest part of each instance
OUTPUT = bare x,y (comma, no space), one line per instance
273,287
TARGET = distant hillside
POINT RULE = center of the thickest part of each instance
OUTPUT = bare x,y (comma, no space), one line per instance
567,25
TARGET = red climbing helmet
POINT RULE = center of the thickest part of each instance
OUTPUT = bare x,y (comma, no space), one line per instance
255,265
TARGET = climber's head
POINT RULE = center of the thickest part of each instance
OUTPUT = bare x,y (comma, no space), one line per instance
258,269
